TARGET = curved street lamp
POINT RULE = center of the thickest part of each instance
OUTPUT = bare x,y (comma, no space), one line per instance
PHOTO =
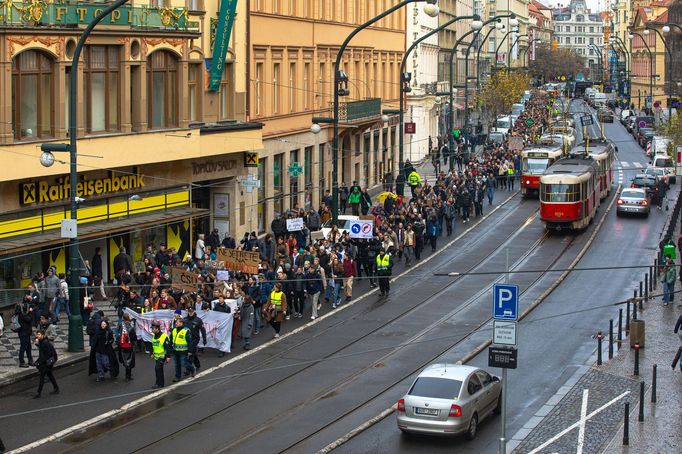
670,67
516,40
651,64
498,26
497,50
524,52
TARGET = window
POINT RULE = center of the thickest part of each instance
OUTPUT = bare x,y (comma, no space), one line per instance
591,40
292,87
579,18
276,7
292,7
591,51
474,385
259,88
320,169
32,93
261,194
293,181
308,167
568,29
275,88
195,5
162,89
306,8
437,388
322,89
194,94
278,183
591,29
156,3
307,94
568,40
358,12
101,72
225,93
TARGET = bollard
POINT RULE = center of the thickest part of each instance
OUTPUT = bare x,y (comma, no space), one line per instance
620,327
636,372
599,339
655,280
653,385
641,294
627,319
646,287
651,279
626,425
634,306
641,402
611,339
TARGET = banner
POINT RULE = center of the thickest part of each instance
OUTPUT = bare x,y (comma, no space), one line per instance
515,143
222,42
295,224
236,260
361,229
218,326
183,279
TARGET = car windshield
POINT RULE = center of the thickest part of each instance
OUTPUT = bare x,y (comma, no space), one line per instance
503,124
663,162
535,166
437,388
632,194
497,137
641,181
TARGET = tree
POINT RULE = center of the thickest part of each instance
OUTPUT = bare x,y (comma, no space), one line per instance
674,132
550,64
503,89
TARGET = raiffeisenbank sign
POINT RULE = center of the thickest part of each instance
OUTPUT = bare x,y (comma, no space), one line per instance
50,191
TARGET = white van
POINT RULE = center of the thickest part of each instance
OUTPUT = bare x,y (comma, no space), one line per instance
659,145
663,161
504,124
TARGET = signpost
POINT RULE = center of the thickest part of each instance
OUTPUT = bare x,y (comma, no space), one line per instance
530,122
504,333
361,229
586,120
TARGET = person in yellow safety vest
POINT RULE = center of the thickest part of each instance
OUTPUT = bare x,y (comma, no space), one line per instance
510,177
181,338
414,181
160,352
276,308
384,264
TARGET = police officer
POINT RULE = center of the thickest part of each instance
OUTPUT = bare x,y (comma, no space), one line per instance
383,269
196,328
414,180
181,338
160,352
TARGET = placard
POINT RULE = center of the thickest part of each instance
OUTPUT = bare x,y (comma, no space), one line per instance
515,143
223,275
361,229
183,279
295,224
237,260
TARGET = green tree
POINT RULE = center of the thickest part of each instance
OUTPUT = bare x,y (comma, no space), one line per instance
674,132
503,89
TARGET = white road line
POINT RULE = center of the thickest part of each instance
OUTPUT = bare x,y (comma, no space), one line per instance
576,424
638,165
624,164
583,421
118,411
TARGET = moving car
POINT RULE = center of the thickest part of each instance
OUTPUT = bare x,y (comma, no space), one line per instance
605,116
633,201
630,124
344,224
625,114
449,399
646,182
658,172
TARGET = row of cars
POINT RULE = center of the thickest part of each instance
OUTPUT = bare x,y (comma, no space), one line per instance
642,129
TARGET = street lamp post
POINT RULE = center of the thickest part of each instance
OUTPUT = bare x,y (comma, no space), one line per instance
516,40
670,68
405,88
628,65
75,343
651,64
524,52
340,83
601,61
497,50
498,26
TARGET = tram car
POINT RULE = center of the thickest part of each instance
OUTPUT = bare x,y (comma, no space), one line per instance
534,161
604,153
570,193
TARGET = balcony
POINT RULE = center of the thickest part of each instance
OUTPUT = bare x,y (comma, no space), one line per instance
366,109
39,13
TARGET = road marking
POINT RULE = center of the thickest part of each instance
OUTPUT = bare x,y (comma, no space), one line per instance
118,411
638,165
624,164
576,424
583,421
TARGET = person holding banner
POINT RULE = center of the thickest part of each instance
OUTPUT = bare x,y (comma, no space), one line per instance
276,309
160,352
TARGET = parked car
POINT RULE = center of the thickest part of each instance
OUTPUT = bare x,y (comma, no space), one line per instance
645,136
449,399
503,124
639,135
605,116
642,122
630,124
663,161
625,114
659,172
633,201
647,182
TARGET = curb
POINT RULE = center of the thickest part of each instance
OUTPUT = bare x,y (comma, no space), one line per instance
26,374
469,356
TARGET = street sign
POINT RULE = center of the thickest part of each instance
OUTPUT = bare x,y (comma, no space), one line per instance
504,333
410,127
250,182
295,169
586,120
678,153
251,159
503,357
642,124
530,122
505,301
361,229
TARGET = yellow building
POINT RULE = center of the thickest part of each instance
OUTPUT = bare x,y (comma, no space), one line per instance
160,156
292,49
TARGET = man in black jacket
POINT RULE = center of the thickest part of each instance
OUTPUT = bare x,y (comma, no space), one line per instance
123,264
24,311
161,256
47,357
279,227
196,328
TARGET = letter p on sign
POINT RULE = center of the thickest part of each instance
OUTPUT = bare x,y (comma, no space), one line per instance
505,301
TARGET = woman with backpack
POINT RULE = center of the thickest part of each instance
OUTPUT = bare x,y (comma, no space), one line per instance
47,358
127,339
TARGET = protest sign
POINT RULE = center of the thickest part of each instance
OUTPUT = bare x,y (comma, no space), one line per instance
183,279
236,260
295,224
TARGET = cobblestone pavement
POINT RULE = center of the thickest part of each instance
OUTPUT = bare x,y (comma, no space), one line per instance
603,415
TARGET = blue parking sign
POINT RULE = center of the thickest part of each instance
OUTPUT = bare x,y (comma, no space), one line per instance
505,301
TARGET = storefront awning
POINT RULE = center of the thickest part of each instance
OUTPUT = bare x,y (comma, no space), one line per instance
32,242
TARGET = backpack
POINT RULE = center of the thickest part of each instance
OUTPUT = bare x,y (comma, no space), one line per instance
14,324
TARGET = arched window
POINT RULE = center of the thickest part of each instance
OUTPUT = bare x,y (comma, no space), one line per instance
162,89
32,95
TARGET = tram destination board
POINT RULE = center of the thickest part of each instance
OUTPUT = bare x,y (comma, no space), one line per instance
502,357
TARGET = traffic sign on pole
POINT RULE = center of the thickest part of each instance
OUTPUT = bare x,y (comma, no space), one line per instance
504,333
505,301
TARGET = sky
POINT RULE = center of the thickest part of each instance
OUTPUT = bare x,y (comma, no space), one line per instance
594,5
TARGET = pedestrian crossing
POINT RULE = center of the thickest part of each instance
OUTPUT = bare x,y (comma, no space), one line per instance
622,166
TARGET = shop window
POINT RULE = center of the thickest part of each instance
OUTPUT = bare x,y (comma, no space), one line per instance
162,89
102,87
32,95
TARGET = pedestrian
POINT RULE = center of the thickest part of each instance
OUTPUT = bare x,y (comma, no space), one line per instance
384,265
247,317
350,270
343,198
196,328
678,325
102,357
449,213
354,198
276,308
24,314
160,352
62,298
408,244
51,289
414,180
678,357
47,358
432,232
180,340
668,281
314,285
127,337
490,188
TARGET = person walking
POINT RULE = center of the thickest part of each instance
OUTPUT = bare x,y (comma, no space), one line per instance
51,289
668,281
414,180
408,244
247,318
102,357
24,313
354,199
196,328
127,338
490,188
314,285
47,358
432,232
62,298
276,308
181,338
350,270
384,264
160,352
449,212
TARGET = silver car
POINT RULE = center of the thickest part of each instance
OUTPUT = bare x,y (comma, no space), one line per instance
633,201
449,399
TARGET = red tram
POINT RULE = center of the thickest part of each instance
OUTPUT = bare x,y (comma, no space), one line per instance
570,193
534,161
603,153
